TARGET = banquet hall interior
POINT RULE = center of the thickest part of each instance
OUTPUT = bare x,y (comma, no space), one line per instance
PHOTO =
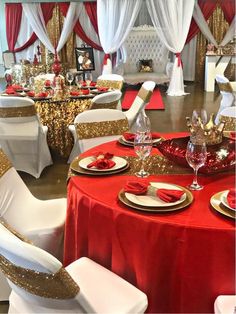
117,156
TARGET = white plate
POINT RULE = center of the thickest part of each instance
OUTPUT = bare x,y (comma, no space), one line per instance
120,163
224,201
152,201
155,140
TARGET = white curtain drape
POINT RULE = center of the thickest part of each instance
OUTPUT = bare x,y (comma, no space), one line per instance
189,59
115,20
202,24
24,34
34,14
230,33
171,20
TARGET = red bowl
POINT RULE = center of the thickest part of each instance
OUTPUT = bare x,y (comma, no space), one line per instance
220,157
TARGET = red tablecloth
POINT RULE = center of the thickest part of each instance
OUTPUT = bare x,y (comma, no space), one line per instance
182,260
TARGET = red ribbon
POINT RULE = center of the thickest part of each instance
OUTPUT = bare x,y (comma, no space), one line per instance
106,56
178,56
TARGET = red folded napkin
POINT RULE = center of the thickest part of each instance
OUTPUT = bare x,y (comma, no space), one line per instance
143,187
233,135
31,93
47,83
17,87
231,198
10,91
130,136
42,94
102,163
74,93
83,83
105,155
93,84
85,92
103,89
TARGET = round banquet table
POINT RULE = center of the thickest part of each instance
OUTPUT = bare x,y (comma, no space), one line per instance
182,260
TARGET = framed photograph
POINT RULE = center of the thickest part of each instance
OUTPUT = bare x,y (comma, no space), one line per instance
84,59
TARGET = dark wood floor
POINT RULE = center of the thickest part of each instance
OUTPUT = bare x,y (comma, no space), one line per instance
52,183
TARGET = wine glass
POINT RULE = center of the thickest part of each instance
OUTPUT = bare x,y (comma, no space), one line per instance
199,113
79,80
70,78
31,82
196,155
143,148
88,79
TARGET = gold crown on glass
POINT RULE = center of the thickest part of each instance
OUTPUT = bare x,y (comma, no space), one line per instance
210,133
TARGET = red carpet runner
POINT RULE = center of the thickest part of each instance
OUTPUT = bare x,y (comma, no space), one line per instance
155,103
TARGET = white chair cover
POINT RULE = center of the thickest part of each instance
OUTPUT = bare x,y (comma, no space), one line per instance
228,97
22,136
96,115
110,100
225,304
90,287
139,103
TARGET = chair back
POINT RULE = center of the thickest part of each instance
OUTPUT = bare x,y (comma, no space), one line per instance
228,116
114,81
98,126
140,101
108,100
31,272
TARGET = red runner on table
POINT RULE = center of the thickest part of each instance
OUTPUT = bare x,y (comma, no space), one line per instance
155,103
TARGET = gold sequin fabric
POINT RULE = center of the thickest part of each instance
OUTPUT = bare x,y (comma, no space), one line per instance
225,87
110,83
109,105
102,128
55,286
5,163
57,116
144,94
230,123
15,112
29,70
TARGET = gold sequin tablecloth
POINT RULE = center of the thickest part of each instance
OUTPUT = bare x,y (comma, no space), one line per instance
57,116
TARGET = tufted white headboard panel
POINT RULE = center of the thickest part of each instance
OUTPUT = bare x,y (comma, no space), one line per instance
143,43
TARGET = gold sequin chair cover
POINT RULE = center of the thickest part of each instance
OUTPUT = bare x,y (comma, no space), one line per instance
228,116
227,95
139,103
109,100
113,81
22,136
40,284
95,127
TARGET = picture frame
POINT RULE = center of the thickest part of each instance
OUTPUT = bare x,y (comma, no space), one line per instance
84,59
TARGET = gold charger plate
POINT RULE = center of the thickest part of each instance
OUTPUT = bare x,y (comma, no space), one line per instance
75,167
131,144
187,202
215,202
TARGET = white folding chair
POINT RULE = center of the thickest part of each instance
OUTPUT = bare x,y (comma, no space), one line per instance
140,101
41,221
228,116
95,127
109,100
225,304
228,97
22,136
40,284
114,81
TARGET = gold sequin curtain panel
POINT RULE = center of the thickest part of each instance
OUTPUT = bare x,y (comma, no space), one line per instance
54,29
218,27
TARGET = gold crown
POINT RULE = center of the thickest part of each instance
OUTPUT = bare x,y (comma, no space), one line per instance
210,133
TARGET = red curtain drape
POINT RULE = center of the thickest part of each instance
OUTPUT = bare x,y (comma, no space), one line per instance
228,7
78,28
207,7
91,9
13,20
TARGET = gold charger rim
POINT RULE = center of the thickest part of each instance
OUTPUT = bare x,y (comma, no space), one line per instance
187,202
221,208
76,168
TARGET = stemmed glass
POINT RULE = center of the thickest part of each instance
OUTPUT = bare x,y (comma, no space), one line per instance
31,82
70,78
88,79
199,113
143,148
79,80
196,155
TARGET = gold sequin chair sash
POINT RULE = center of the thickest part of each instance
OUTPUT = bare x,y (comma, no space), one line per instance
102,128
230,123
225,87
108,105
110,84
15,112
5,163
144,94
